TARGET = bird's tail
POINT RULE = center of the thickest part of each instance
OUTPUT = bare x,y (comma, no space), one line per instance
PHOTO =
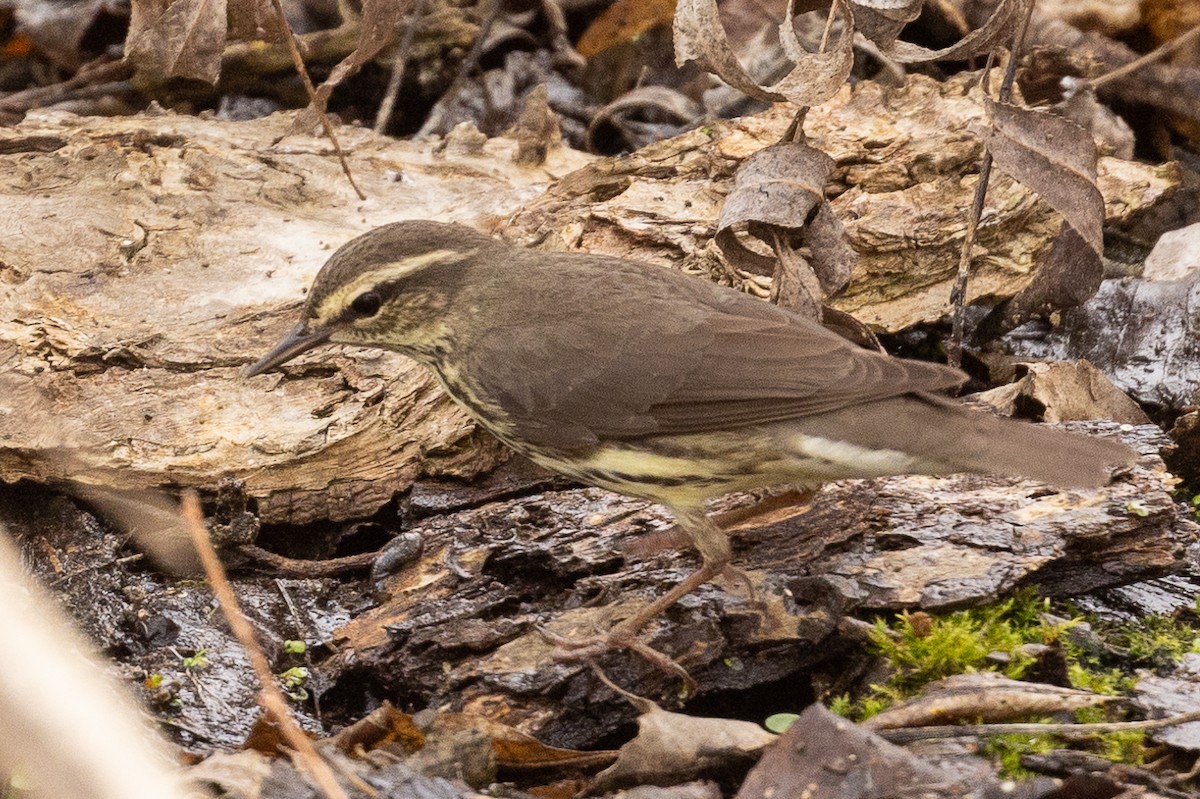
941,436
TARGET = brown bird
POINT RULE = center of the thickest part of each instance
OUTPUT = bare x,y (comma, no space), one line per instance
650,383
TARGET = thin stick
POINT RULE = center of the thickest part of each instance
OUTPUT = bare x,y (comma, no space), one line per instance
958,295
907,734
46,95
296,567
270,697
398,66
302,71
491,12
1157,54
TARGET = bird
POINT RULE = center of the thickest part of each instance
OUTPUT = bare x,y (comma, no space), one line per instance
654,384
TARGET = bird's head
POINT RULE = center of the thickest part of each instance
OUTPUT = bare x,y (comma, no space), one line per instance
388,288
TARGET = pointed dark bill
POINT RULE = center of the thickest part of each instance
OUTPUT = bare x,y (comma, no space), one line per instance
299,340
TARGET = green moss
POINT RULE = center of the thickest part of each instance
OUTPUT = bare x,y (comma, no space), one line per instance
1110,682
842,705
921,648
961,642
1008,750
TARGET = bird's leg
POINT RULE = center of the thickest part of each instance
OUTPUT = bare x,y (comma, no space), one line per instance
713,545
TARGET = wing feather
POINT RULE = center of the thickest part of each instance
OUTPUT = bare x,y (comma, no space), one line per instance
696,358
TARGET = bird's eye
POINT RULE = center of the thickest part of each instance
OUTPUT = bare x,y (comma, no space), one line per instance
366,304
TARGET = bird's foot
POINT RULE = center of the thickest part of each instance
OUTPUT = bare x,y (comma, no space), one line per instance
741,576
569,649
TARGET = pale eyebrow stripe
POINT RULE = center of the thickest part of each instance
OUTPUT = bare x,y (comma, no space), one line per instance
383,273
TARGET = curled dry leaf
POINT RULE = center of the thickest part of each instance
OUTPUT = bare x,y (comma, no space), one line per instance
700,37
667,103
981,41
882,20
782,188
985,695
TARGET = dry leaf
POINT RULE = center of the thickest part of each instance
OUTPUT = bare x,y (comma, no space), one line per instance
1055,158
823,755
664,102
671,748
177,38
882,20
700,37
1066,275
623,21
998,28
781,189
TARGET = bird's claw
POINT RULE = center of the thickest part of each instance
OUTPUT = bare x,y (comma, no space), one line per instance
569,649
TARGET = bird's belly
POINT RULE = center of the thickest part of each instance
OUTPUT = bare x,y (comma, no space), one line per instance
682,471
685,470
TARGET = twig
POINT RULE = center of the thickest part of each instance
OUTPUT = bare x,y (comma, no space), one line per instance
296,567
958,295
398,66
556,21
302,71
906,734
46,95
1157,54
270,697
490,15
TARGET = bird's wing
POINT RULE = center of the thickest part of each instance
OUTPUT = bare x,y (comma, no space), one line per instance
697,358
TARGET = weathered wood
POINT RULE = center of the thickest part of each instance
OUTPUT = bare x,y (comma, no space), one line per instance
461,621
144,260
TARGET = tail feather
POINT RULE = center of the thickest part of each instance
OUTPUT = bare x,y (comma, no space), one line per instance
946,437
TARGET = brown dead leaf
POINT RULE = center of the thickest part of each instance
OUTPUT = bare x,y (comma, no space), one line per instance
823,755
779,190
516,750
985,696
1055,158
672,748
383,725
1066,275
387,726
998,28
622,22
662,102
882,20
177,39
700,37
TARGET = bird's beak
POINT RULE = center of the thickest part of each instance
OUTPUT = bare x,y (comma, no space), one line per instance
299,340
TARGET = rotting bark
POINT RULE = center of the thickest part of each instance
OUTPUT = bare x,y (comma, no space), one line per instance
191,241
456,623
460,623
